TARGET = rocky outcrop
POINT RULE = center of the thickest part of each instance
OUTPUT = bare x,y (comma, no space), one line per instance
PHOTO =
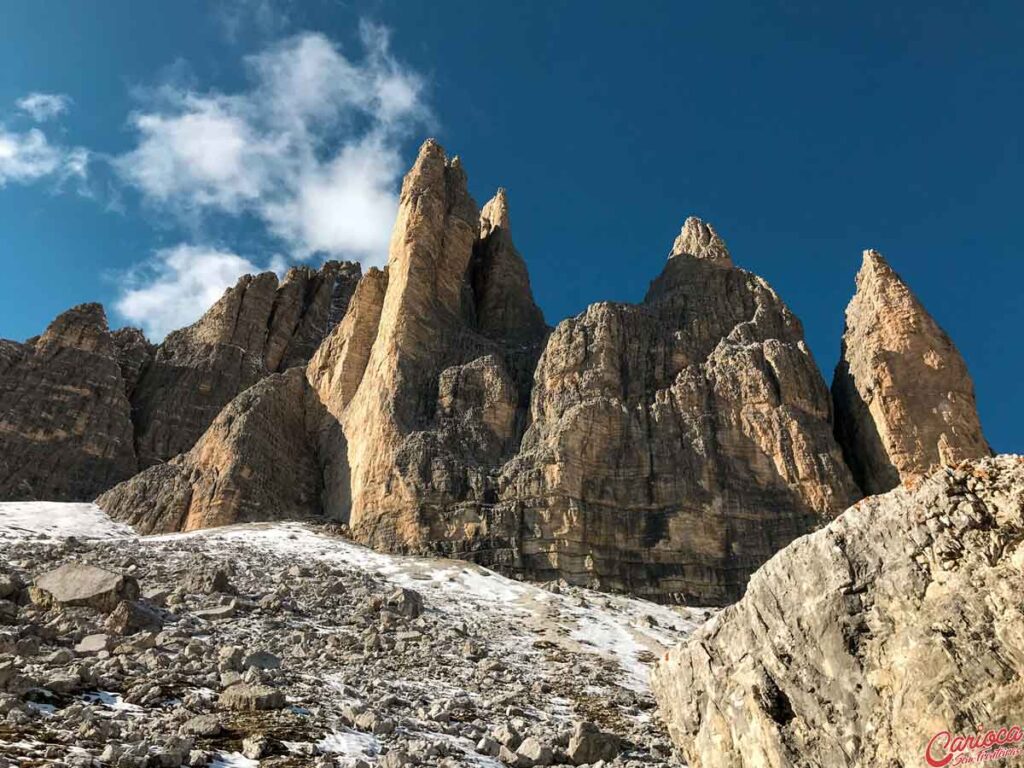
677,444
257,461
428,426
255,329
904,400
65,421
869,642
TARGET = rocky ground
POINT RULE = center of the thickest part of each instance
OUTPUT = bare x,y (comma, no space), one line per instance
287,645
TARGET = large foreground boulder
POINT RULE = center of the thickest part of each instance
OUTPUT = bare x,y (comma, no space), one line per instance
80,584
886,634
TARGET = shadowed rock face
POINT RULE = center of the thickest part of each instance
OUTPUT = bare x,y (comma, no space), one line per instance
677,444
858,643
65,421
257,461
255,329
904,400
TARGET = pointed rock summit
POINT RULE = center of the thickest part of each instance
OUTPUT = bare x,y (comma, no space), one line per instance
904,400
700,240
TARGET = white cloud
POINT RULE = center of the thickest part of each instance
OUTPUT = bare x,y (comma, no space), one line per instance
178,285
29,156
311,148
44,106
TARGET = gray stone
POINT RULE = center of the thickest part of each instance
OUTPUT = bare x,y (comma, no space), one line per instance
94,644
78,584
589,744
247,697
855,644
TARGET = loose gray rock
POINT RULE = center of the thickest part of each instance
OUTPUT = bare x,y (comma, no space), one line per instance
79,584
589,744
247,697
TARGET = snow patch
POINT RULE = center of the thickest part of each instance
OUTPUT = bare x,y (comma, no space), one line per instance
349,743
233,760
23,520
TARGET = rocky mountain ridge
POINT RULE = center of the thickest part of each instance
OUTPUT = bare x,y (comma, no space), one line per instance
667,448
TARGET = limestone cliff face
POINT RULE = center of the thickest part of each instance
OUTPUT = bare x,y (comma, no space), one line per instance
904,399
858,643
257,461
667,449
255,329
65,421
429,424
675,445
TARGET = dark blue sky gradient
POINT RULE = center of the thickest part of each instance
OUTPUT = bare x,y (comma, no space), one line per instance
805,132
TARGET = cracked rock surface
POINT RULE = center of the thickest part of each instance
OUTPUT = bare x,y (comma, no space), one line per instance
856,644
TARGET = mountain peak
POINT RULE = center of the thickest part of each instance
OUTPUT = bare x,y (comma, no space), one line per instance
700,240
494,214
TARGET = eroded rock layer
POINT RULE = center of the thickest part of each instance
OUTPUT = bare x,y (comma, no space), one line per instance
857,644
257,327
904,400
65,421
257,461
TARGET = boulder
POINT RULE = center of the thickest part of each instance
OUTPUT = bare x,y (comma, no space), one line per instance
407,602
250,698
204,726
589,744
94,644
864,642
79,584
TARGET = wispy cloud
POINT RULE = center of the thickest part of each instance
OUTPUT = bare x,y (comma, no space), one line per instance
178,284
311,148
44,106
29,156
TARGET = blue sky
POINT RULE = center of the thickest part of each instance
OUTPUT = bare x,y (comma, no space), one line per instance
193,140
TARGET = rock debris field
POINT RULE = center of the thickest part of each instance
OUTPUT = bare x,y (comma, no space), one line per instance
287,645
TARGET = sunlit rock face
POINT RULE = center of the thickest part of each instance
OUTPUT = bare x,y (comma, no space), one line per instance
667,448
860,643
904,400
677,444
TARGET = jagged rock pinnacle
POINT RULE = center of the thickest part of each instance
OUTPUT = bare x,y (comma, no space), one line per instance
904,401
495,214
699,240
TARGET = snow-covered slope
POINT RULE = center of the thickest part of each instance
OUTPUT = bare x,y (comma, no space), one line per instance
515,654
